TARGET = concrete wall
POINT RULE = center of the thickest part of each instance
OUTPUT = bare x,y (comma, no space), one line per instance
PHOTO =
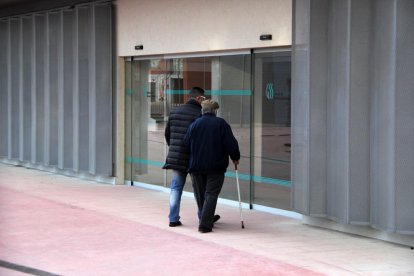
181,26
353,115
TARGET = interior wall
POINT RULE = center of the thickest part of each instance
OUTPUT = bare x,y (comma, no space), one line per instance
182,26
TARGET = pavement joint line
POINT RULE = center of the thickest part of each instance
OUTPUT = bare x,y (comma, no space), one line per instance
25,269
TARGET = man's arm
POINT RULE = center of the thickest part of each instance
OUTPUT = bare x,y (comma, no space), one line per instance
187,136
231,144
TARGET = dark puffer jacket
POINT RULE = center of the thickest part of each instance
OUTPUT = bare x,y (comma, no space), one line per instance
180,119
211,142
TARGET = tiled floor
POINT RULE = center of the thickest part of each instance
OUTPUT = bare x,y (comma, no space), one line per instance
68,226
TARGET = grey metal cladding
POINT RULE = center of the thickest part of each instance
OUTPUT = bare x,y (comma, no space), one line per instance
56,89
352,110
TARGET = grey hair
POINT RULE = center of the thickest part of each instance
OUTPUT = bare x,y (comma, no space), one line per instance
210,110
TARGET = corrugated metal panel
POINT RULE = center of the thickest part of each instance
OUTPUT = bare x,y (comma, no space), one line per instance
56,89
360,98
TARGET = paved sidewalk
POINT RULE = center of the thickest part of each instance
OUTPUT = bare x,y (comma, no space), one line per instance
57,225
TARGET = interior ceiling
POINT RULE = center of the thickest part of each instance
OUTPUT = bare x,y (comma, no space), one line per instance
16,7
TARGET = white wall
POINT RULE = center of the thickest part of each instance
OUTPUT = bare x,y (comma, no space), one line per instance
180,26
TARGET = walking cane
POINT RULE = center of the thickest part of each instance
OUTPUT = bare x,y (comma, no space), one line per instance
238,192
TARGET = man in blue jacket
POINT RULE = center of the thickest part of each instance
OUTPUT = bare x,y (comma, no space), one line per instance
211,142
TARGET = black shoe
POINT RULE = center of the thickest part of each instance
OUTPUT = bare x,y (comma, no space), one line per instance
175,223
216,218
202,229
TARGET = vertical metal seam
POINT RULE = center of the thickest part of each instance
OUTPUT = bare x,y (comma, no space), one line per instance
370,110
292,191
372,122
131,85
60,91
251,132
393,113
47,94
328,106
92,94
348,123
21,98
165,109
76,90
9,92
34,91
114,80
307,193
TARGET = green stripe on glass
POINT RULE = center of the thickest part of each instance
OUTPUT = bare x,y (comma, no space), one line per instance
144,161
144,88
260,179
177,92
246,177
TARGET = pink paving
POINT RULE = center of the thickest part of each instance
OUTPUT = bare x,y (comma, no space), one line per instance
68,240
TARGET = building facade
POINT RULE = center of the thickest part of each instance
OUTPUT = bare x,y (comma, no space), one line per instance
318,94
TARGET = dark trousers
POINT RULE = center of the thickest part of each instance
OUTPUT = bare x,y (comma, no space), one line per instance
207,187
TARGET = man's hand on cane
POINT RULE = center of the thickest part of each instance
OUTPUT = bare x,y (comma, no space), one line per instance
235,162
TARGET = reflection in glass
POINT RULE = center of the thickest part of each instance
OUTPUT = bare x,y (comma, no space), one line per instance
128,120
184,74
231,87
154,87
272,130
148,109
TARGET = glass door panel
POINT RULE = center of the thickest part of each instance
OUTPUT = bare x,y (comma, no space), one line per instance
182,75
231,88
154,87
272,142
128,120
147,124
227,80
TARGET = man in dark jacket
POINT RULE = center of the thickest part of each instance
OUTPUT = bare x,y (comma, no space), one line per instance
211,142
177,159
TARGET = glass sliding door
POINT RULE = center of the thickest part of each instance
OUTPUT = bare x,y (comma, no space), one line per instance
182,75
272,142
231,88
146,108
225,79
155,86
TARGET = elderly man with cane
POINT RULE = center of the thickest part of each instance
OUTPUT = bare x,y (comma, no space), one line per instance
211,142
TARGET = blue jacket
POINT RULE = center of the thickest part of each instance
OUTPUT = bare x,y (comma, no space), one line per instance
211,142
